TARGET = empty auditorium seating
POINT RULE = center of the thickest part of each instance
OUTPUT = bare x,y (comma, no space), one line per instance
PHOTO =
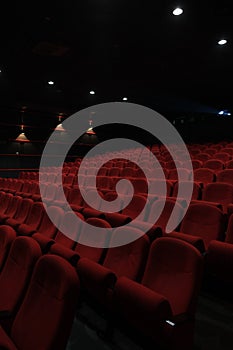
45,317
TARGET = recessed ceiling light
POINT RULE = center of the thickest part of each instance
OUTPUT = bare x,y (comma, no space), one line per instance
92,92
178,11
51,82
222,42
125,99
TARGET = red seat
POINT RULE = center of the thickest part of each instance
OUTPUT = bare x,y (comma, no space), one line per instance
75,199
203,157
156,189
15,276
16,186
224,156
86,246
163,305
70,221
140,185
33,220
11,208
186,184
229,165
21,213
55,288
87,236
166,210
204,175
5,200
214,164
220,193
47,227
7,236
50,193
204,221
126,260
219,257
225,176
173,175
24,189
34,190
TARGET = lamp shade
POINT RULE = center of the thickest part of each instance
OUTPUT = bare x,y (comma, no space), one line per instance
59,127
22,138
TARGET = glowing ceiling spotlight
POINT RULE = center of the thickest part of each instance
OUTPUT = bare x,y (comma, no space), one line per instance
222,42
178,11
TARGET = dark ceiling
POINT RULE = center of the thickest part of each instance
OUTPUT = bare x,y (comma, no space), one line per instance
118,48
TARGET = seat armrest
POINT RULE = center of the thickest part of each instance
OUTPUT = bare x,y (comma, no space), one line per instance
93,275
140,304
196,241
44,242
65,253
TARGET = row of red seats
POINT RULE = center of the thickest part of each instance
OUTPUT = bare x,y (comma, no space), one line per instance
201,214
133,262
203,222
218,192
130,169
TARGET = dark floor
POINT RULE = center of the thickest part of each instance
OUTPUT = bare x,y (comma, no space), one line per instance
214,329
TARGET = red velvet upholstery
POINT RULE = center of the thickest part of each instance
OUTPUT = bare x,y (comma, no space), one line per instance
69,220
219,192
91,252
229,233
204,221
5,200
214,164
219,260
225,176
185,184
7,236
168,291
46,323
21,213
15,276
11,208
47,227
204,175
33,220
127,260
